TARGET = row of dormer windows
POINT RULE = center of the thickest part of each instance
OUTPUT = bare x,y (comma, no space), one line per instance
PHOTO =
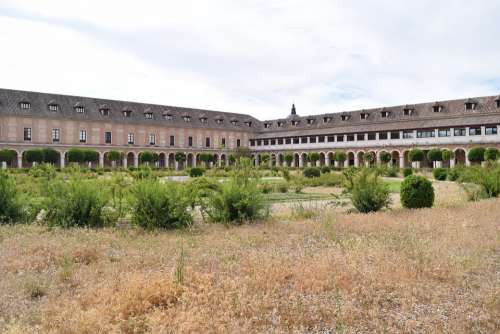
108,138
406,134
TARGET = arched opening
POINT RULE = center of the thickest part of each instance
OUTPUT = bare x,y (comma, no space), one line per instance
395,158
296,159
406,159
223,160
111,159
426,163
281,160
216,160
361,159
304,159
162,160
171,161
373,161
460,156
9,159
322,159
331,158
130,159
190,160
350,159
273,160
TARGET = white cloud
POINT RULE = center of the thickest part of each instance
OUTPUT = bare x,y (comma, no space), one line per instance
253,56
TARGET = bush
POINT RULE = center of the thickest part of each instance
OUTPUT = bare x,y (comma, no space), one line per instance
311,172
476,154
487,178
196,172
6,155
446,155
33,155
407,171
369,193
10,205
440,173
340,156
417,192
266,188
75,204
491,154
454,173
156,205
325,170
388,171
385,157
281,187
416,155
435,154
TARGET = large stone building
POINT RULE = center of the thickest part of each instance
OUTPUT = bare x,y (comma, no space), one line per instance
30,119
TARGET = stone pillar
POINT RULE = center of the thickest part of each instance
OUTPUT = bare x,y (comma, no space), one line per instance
356,160
378,158
176,165
4,164
136,160
62,162
467,161
194,160
336,164
402,161
301,161
101,160
20,160
124,161
452,162
257,161
439,164
270,162
327,159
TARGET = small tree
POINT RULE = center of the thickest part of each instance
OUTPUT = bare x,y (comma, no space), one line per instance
288,159
446,155
416,155
232,159
369,157
50,156
476,154
6,156
206,158
180,157
435,154
313,157
264,159
491,154
115,156
146,157
369,193
385,157
33,156
76,155
340,156
90,156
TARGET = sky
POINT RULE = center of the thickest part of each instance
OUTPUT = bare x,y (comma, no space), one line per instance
255,57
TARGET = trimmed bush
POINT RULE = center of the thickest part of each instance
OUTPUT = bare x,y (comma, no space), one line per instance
50,155
180,157
288,158
76,155
476,154
369,157
417,192
311,172
281,187
454,174
435,154
196,172
487,178
416,155
114,156
6,155
385,157
446,155
76,204
156,205
491,154
407,171
369,193
146,157
34,155
340,156
440,174
10,205
325,170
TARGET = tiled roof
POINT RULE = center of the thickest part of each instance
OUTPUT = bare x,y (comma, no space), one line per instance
10,104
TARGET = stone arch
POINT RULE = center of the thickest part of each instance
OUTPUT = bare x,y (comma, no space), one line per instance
406,159
280,160
171,160
351,158
190,160
13,162
395,158
223,159
112,164
216,159
296,159
331,158
162,160
322,159
303,155
130,159
361,160
460,156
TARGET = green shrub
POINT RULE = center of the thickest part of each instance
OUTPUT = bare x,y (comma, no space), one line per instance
266,188
340,156
454,173
288,158
76,204
387,171
476,154
440,174
435,154
313,157
417,192
416,155
156,205
33,155
11,210
311,172
325,170
446,155
385,157
407,171
286,173
6,155
281,187
487,178
369,193
491,154
141,173
196,172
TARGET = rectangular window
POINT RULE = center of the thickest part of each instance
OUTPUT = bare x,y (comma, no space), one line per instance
223,142
130,138
459,132
27,134
152,139
273,141
107,137
303,140
83,136
190,141
252,142
426,133
172,140
395,135
55,135
340,138
360,137
266,142
312,139
491,130
350,137
288,141
296,140
372,136
382,136
259,142
321,139
475,131
408,134
207,142
25,105
444,133
238,142
331,139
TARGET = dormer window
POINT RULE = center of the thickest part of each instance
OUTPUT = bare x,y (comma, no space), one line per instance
310,121
148,115
104,112
219,121
267,125
327,119
470,106
345,117
203,120
385,114
248,123
186,118
498,102
234,122
437,108
364,115
408,111
168,116
53,107
127,113
25,105
80,109
295,123
280,124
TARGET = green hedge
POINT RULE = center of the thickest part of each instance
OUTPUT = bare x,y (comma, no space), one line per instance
417,192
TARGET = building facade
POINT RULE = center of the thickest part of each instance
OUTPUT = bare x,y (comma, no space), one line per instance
29,120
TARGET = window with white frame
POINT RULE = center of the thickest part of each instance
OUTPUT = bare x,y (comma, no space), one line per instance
130,139
53,107
491,130
444,133
426,133
152,139
475,131
83,136
27,134
80,109
25,105
408,134
459,132
55,135
107,137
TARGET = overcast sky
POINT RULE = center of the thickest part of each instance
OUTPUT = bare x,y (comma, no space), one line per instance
254,57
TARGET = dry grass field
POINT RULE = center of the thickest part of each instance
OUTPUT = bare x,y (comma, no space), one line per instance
424,271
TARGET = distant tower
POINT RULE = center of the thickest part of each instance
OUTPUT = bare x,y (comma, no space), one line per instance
294,112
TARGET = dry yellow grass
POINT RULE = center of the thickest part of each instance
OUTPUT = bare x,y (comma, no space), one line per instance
424,271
